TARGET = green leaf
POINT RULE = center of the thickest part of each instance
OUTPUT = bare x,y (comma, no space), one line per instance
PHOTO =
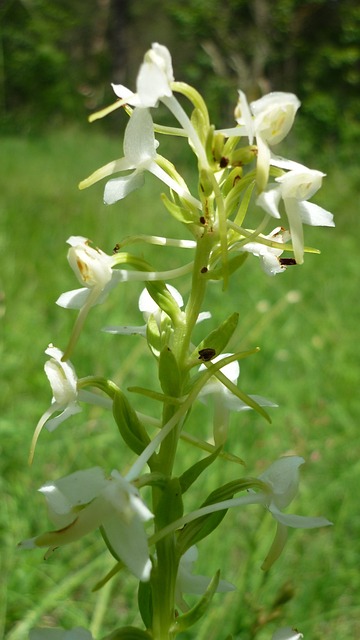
128,633
130,427
190,475
163,298
217,339
181,214
189,618
119,566
232,265
169,374
153,336
145,603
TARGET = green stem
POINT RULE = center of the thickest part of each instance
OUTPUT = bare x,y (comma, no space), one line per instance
198,287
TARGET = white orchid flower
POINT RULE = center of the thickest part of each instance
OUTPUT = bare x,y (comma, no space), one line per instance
153,80
63,382
66,395
269,256
286,633
269,120
282,477
52,633
139,156
85,500
187,582
93,269
295,188
223,400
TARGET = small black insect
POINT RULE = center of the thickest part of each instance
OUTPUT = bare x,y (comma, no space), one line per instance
116,249
206,354
287,261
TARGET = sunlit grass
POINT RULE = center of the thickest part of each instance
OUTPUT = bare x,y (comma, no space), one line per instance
309,363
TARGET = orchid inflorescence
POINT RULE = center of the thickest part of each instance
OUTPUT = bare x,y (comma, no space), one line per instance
237,173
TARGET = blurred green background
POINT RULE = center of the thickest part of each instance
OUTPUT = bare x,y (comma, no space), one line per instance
57,60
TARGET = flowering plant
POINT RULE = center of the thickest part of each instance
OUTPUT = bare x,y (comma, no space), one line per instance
158,542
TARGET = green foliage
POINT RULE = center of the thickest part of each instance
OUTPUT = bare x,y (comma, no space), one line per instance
49,68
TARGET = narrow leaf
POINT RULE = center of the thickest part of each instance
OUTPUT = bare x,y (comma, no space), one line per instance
198,611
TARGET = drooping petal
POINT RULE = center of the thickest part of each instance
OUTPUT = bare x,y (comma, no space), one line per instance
70,410
139,138
74,299
299,522
235,404
269,201
277,546
118,188
314,215
296,228
128,542
286,633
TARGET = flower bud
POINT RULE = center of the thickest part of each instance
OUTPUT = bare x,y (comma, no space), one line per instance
92,267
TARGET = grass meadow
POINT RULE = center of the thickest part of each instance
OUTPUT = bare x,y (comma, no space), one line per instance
309,363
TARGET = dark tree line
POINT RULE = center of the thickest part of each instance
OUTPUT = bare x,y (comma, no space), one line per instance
58,56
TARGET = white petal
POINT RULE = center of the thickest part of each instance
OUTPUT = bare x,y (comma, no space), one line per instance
314,215
263,163
70,410
74,299
139,139
286,633
299,522
117,188
244,117
235,404
292,208
126,331
284,163
269,201
160,55
63,381
129,543
73,241
124,93
283,478
76,489
148,305
274,115
300,184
